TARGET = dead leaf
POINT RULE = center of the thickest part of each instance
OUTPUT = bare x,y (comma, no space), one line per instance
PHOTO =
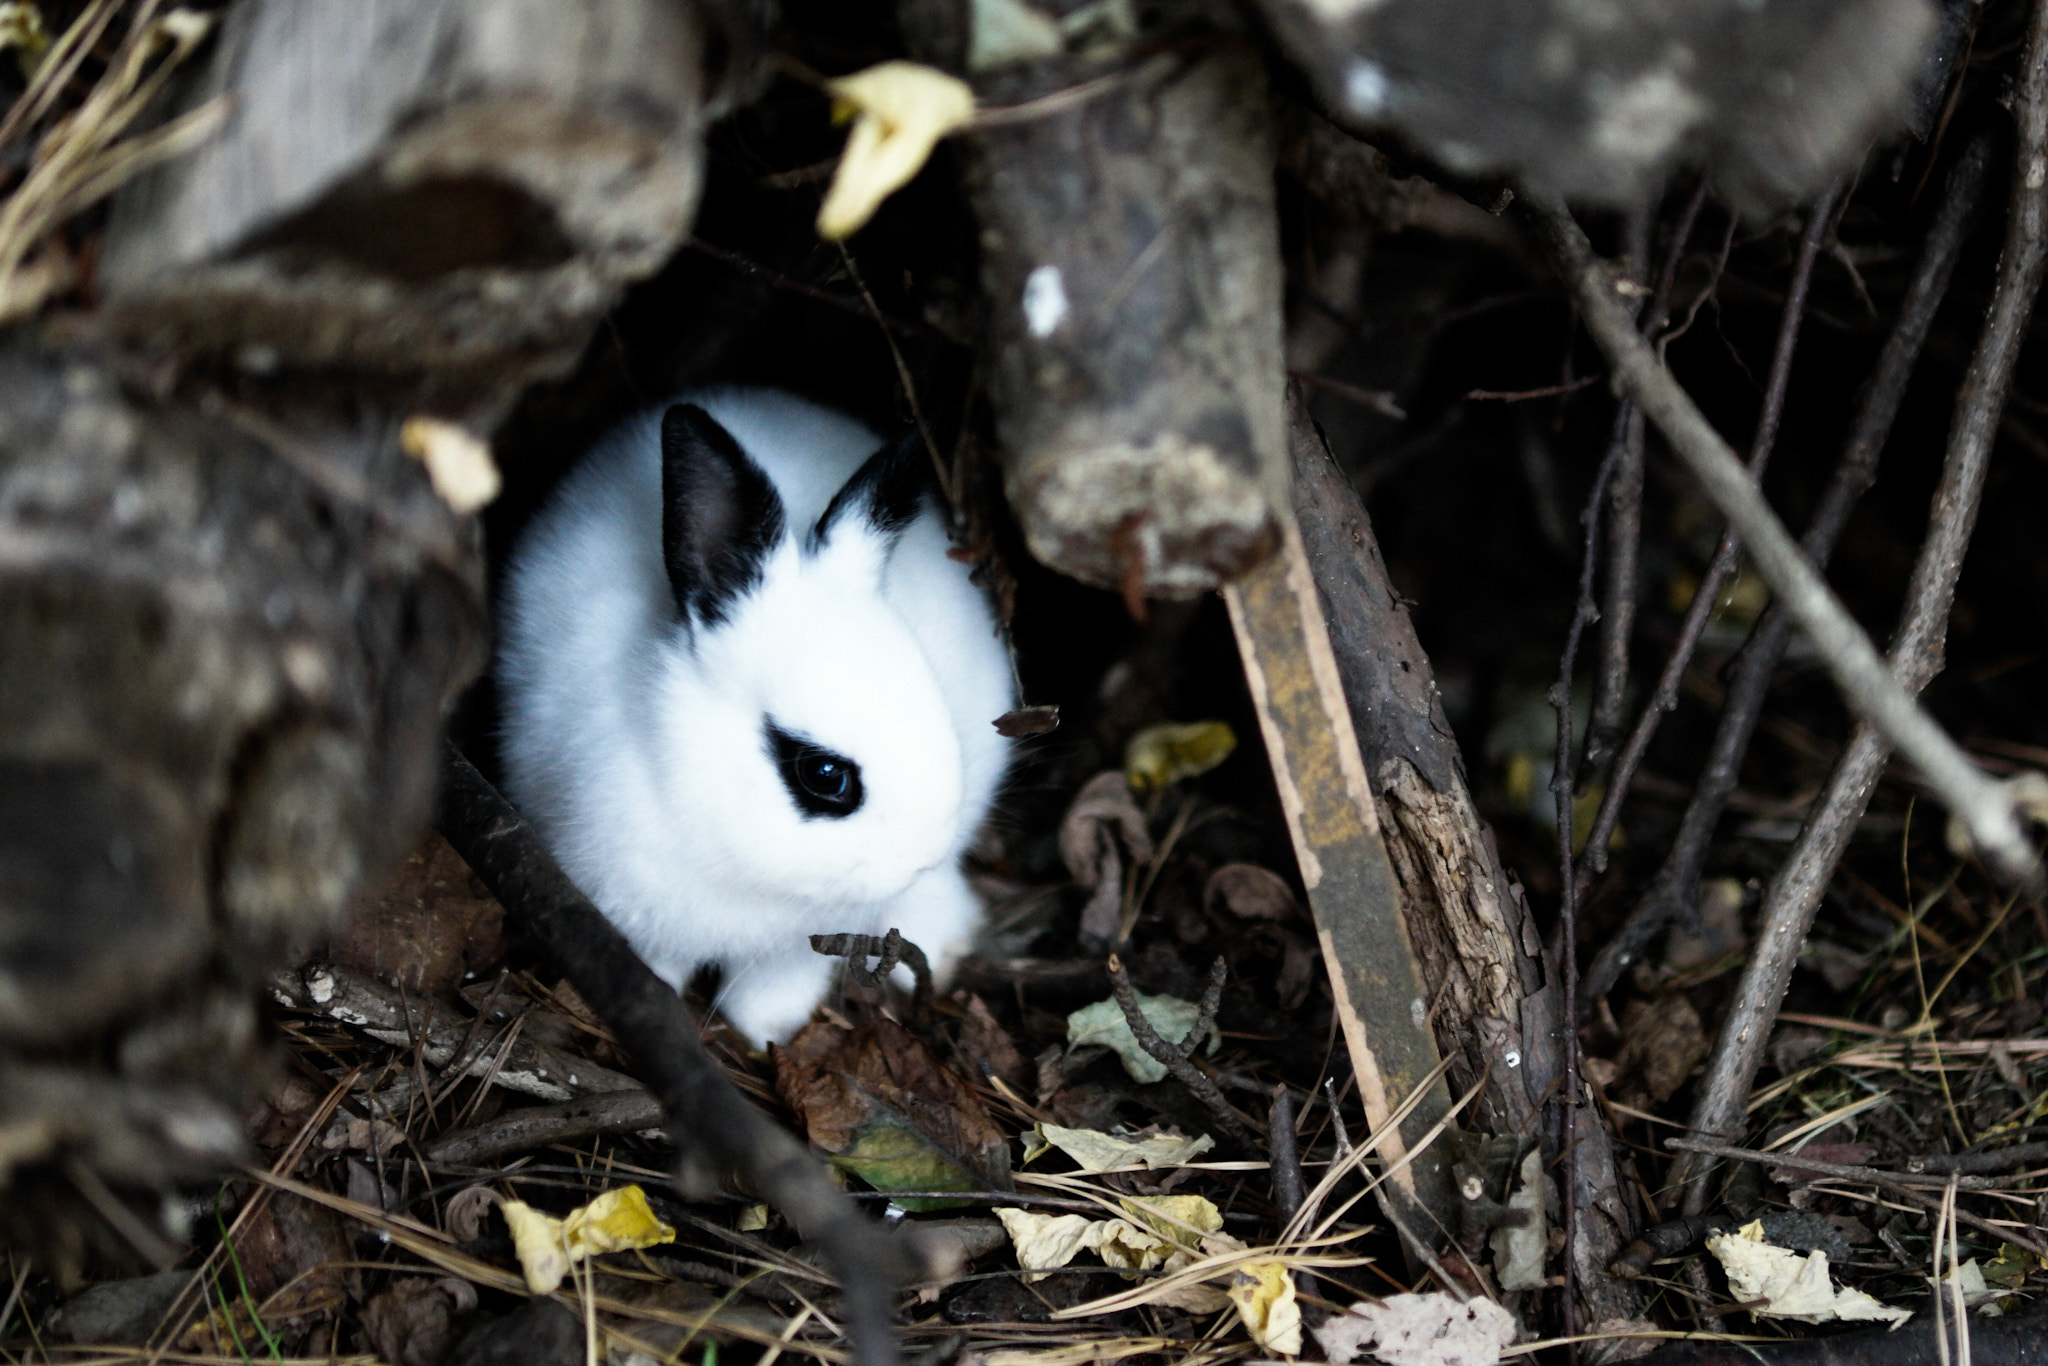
1518,1249
1250,893
1103,1025
1102,827
1791,1286
617,1221
1419,1330
464,1217
986,1047
1159,756
430,929
412,1323
1026,722
900,111
458,462
1264,1295
1095,1151
882,1106
1665,1042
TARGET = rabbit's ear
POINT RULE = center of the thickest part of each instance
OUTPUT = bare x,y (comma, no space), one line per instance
886,492
719,515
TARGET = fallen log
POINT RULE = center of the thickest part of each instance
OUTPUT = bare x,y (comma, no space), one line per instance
461,187
1130,262
224,655
1495,1004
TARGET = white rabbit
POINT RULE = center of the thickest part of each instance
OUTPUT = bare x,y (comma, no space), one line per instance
748,696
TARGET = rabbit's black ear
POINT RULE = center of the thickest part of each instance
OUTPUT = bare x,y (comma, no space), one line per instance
887,491
719,515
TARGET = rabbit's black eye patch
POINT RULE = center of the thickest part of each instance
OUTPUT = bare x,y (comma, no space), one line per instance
820,782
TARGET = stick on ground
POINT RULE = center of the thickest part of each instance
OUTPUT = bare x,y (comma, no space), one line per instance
705,1112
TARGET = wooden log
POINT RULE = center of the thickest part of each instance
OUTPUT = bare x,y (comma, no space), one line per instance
1130,264
458,186
1496,1006
1603,101
224,655
1376,979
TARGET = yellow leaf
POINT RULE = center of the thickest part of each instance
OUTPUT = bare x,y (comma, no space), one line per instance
1099,1152
616,1221
537,1239
458,462
1045,1241
1180,1219
1264,1295
900,110
1158,756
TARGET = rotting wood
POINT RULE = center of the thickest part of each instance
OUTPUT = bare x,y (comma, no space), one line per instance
1352,887
1496,1010
462,186
222,668
1131,265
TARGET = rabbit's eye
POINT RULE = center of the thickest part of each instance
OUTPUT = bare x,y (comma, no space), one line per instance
820,782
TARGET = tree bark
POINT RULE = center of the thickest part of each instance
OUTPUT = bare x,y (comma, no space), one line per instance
1131,267
1496,1005
224,655
460,187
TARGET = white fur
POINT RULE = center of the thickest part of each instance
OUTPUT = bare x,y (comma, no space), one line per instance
636,746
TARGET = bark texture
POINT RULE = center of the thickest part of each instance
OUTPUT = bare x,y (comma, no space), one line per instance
461,186
1131,268
1495,1003
224,654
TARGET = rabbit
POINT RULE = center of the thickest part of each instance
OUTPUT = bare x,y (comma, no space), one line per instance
747,695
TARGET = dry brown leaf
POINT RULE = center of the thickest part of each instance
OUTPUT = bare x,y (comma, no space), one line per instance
1250,892
886,1109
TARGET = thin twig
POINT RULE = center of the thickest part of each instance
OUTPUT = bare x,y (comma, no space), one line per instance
1905,1187
939,470
1561,785
890,951
1178,1058
1983,804
1916,653
705,1111
1670,889
1726,557
1624,531
1625,503
1284,1154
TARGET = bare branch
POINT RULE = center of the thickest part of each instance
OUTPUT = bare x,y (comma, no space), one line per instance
1670,891
1987,811
1795,893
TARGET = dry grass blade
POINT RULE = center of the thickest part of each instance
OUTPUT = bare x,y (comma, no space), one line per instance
88,153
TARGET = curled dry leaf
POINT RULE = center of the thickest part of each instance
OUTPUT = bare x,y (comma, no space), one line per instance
1250,892
882,1106
1103,1025
1164,1233
458,462
1665,1042
616,1221
466,1210
412,1323
900,110
1419,1330
1263,1293
1095,1151
1791,1286
1101,829
1159,756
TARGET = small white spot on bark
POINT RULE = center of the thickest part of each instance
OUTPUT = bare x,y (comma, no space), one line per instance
1418,1012
2037,174
1365,88
1045,301
320,986
1513,1058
